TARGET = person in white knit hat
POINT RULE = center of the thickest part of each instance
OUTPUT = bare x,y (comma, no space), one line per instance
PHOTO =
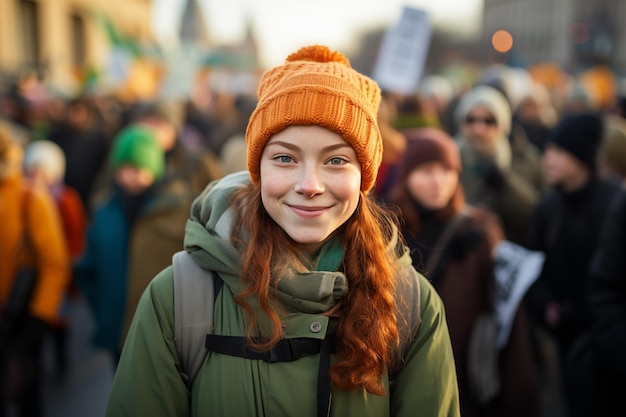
506,177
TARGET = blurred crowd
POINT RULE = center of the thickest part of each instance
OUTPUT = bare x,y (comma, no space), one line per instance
99,189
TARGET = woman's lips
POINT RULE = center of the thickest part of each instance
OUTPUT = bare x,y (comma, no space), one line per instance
306,211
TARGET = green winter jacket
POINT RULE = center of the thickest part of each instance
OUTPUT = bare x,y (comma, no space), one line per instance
147,381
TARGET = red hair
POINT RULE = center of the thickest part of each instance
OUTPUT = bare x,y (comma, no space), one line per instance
367,334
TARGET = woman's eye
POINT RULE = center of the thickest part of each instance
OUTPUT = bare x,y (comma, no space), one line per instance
336,161
284,159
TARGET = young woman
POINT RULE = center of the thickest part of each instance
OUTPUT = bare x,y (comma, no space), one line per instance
304,253
453,244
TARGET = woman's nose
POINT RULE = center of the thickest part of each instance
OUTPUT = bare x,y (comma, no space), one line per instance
309,183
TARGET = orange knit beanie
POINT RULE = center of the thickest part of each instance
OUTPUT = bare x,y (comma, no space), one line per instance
317,86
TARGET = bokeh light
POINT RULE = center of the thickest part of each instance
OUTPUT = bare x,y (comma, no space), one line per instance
502,41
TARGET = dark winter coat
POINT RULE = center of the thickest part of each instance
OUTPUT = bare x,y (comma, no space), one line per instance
464,279
567,228
124,251
602,395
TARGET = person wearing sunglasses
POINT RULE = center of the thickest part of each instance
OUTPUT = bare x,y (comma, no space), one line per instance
501,174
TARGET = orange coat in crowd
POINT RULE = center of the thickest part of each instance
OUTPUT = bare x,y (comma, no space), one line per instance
45,232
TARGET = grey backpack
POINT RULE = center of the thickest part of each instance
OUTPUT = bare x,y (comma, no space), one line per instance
194,296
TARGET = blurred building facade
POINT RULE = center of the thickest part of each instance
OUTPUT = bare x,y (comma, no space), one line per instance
572,33
61,38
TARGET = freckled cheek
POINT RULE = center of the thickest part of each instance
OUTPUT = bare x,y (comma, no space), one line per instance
275,187
348,189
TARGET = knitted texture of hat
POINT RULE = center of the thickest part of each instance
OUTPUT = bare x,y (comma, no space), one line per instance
317,86
580,135
137,146
425,145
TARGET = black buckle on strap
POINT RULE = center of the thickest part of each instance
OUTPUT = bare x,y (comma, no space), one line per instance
287,350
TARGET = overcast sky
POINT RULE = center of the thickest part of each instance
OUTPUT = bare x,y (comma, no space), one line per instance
282,26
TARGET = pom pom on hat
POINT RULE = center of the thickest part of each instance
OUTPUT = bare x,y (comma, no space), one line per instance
137,146
317,86
318,53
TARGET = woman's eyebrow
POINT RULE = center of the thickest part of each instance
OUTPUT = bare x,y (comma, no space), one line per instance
294,147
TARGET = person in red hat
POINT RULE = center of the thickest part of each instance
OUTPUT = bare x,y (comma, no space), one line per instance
453,244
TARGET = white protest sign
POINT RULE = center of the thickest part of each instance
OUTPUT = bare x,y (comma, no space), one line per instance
117,67
181,63
402,55
516,268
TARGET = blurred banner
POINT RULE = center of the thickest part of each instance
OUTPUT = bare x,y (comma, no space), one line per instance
515,270
403,52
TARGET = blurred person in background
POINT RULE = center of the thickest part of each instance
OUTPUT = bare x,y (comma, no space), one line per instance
415,111
566,227
577,99
233,157
85,146
514,84
439,92
453,243
13,111
32,234
505,177
612,153
536,114
603,395
196,168
44,164
227,114
394,144
232,152
137,163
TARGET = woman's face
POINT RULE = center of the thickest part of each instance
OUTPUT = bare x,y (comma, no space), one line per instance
480,128
310,182
432,184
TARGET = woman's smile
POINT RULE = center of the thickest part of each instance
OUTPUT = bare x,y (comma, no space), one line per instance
309,211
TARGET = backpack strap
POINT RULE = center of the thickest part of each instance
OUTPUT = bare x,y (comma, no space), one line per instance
286,350
194,299
195,290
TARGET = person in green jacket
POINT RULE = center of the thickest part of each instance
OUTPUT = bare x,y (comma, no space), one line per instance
320,312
